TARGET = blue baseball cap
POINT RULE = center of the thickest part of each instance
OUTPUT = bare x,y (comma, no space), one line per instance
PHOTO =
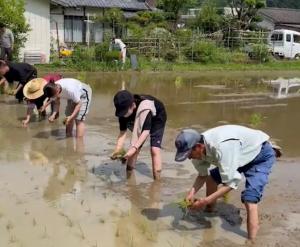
185,142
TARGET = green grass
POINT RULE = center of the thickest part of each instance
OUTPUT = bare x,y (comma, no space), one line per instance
146,65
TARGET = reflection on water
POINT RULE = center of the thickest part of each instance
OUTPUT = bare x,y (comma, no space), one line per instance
198,100
204,100
286,88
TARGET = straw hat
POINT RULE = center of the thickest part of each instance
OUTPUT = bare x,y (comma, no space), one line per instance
34,88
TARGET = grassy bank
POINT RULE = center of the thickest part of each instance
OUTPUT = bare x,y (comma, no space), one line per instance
145,65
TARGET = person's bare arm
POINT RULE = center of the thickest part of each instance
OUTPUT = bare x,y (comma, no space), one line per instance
19,87
26,121
119,146
199,182
142,139
2,81
57,105
200,203
136,146
74,113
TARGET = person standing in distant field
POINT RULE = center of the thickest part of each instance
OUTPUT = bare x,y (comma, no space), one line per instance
122,46
6,43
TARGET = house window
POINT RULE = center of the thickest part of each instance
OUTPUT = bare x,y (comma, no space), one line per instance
296,38
288,38
73,29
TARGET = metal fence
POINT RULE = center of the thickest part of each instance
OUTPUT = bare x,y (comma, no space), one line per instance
184,49
231,40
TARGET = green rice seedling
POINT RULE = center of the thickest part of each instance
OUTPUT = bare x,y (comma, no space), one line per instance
184,206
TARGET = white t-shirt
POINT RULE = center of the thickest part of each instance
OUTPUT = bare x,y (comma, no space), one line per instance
71,89
120,43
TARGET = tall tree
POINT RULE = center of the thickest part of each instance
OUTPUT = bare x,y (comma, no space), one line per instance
115,18
12,14
245,11
208,19
173,8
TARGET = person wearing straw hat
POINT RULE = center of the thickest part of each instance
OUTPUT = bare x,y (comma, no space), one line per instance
34,94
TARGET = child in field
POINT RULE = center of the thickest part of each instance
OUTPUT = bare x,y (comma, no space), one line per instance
145,116
78,96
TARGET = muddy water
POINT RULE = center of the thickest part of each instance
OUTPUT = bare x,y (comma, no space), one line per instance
59,192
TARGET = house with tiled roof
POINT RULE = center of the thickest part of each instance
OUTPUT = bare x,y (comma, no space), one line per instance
72,20
54,22
280,18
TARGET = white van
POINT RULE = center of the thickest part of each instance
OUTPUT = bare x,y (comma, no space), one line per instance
285,43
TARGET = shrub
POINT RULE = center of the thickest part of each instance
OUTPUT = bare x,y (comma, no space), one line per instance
170,56
206,52
82,53
111,56
260,52
12,14
101,50
239,57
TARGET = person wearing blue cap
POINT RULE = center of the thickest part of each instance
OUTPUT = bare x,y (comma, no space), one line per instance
232,150
145,116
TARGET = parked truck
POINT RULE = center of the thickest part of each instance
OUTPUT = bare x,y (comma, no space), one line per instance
285,43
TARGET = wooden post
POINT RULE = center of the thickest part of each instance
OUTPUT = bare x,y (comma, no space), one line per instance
57,39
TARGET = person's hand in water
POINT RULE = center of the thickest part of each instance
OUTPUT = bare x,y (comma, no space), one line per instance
42,109
198,204
117,153
14,92
190,195
130,152
25,123
67,120
51,118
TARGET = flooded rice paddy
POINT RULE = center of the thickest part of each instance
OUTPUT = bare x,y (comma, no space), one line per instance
58,192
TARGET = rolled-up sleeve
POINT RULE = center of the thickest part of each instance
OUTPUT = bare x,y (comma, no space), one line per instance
229,152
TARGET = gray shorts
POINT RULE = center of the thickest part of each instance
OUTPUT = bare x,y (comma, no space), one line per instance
85,98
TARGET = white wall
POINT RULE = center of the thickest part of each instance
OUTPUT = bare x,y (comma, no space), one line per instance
37,14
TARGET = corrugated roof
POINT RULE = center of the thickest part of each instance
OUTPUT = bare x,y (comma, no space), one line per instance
278,15
123,4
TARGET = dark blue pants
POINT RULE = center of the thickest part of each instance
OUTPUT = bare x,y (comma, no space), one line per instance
256,174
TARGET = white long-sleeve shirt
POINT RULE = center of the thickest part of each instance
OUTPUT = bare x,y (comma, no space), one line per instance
230,147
